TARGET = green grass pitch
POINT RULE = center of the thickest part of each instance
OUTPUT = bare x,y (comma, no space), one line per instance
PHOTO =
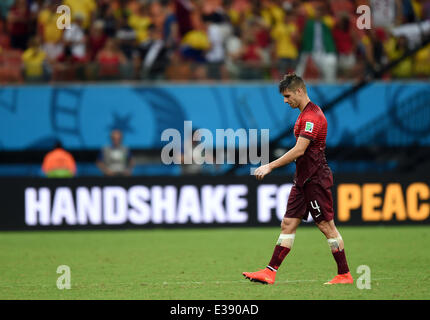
208,264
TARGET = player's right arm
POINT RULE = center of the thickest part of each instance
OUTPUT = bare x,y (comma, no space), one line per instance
297,151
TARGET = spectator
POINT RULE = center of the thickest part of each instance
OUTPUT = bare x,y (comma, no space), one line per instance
251,56
4,37
285,51
396,49
152,55
216,54
132,6
233,47
110,22
126,37
110,59
262,36
47,29
70,64
5,6
272,13
183,10
140,22
318,44
345,46
237,9
103,6
116,159
65,68
76,40
407,14
59,163
426,10
35,7
372,44
97,39
383,12
422,62
418,6
85,9
34,59
347,7
19,24
211,50
156,12
194,45
170,26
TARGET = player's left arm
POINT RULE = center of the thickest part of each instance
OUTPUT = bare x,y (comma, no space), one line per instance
297,151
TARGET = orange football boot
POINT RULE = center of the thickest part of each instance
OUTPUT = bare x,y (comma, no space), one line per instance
341,278
265,276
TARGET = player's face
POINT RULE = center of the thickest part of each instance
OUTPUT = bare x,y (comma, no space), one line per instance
292,98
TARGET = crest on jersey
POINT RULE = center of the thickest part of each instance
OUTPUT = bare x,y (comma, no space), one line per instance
309,127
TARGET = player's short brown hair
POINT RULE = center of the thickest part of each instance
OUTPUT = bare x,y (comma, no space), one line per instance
291,81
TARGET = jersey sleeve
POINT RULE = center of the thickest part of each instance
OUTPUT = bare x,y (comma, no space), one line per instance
310,128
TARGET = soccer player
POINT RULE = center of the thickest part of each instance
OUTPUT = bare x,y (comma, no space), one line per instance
312,182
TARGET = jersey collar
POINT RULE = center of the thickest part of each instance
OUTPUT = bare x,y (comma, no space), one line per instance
307,105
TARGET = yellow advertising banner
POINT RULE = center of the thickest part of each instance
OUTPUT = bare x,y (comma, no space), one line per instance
383,201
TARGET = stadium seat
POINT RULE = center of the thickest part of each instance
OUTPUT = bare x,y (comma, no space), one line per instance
179,71
10,74
10,66
4,41
12,56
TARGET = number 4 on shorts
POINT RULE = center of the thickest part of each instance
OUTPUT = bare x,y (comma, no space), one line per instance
315,206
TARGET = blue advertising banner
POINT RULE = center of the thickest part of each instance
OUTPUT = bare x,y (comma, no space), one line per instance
32,117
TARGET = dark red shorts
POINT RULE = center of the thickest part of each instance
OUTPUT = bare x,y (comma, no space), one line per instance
312,198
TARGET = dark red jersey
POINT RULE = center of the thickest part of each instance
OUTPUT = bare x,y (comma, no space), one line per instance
312,166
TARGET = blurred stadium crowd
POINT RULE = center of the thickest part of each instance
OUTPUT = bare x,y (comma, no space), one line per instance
210,39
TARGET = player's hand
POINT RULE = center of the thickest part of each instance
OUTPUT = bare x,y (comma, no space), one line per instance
262,171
